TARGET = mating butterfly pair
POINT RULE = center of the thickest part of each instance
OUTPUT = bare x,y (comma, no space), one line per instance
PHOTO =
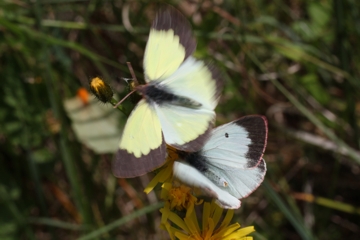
177,108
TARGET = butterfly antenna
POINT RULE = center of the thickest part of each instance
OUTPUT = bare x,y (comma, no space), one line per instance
132,73
135,81
127,95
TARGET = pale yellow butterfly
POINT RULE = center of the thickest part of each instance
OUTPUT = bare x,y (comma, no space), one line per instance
178,103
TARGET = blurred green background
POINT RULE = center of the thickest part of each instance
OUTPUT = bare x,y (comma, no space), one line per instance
296,62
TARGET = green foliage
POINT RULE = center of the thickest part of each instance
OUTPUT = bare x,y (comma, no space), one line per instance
311,83
294,61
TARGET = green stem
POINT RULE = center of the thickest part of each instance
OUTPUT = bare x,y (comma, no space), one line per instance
352,153
97,233
58,224
298,225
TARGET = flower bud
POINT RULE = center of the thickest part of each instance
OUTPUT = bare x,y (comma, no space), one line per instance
101,89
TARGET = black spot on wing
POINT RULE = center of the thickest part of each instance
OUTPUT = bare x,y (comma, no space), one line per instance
126,165
170,18
256,127
226,135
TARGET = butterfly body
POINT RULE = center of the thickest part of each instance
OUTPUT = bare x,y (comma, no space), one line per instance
160,95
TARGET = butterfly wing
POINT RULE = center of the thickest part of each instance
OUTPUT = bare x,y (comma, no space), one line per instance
197,81
231,160
170,43
233,155
239,144
185,128
141,147
240,183
192,177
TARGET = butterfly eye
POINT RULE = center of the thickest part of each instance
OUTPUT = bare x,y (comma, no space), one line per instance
226,135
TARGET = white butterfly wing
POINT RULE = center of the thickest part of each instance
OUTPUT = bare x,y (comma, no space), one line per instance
239,144
240,183
192,177
231,159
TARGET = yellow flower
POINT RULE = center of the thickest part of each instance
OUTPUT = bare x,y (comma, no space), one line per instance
179,198
165,173
188,228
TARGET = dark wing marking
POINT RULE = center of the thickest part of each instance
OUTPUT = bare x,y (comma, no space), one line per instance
170,18
126,165
217,76
256,126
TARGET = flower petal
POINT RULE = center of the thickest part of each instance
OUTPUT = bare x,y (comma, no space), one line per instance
240,234
217,214
161,177
205,215
170,230
227,219
178,221
165,212
228,230
193,223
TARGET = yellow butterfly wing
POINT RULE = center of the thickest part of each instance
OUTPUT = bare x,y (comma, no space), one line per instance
170,43
141,147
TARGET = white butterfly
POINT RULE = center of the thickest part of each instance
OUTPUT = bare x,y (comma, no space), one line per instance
229,166
178,103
